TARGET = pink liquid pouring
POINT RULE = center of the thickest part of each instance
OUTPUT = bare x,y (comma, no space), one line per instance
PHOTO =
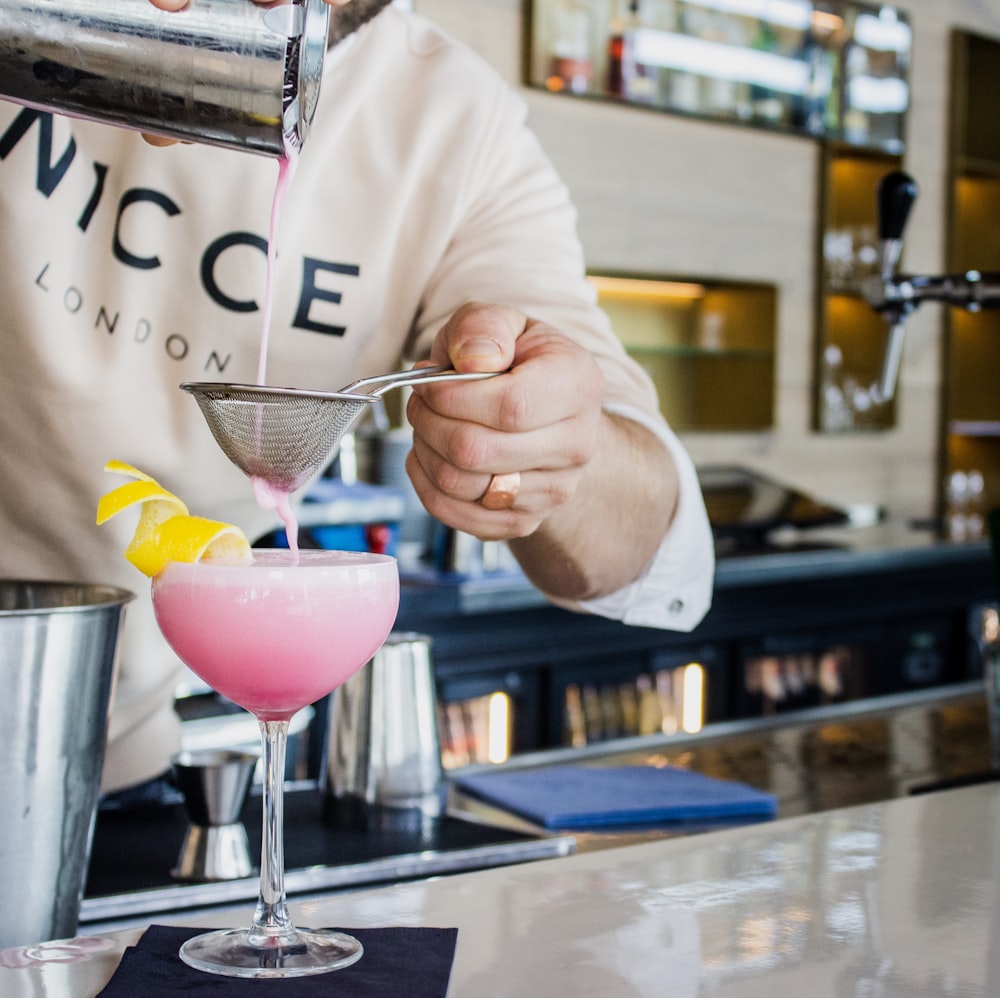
266,495
286,171
282,632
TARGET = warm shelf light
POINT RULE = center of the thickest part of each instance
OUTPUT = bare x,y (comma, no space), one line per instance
635,287
498,747
692,697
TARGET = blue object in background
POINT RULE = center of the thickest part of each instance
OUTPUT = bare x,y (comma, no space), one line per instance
579,797
335,516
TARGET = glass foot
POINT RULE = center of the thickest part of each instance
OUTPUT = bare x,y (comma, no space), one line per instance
231,953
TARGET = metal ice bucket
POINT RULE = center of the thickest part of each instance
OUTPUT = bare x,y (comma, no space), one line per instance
58,646
383,748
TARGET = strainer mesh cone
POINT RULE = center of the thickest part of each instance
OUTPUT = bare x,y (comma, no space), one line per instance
284,436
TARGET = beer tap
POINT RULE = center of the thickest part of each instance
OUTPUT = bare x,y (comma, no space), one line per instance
896,296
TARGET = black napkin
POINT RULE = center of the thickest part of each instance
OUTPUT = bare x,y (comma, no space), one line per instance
410,962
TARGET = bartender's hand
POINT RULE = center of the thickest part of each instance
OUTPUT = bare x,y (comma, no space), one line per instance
530,457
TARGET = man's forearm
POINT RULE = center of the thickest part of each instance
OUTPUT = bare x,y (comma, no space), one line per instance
600,540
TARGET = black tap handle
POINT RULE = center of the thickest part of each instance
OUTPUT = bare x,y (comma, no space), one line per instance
896,193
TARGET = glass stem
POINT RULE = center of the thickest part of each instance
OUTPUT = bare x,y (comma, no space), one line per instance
271,920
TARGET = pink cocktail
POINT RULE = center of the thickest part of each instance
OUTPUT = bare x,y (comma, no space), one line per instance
274,636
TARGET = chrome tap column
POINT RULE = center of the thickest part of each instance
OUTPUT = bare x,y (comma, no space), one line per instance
896,296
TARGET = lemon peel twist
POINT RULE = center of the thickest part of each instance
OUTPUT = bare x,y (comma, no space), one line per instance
166,531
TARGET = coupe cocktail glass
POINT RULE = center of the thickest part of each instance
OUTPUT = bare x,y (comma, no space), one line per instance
274,636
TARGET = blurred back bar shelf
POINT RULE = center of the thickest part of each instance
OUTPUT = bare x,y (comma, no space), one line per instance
709,346
832,71
837,617
970,444
828,69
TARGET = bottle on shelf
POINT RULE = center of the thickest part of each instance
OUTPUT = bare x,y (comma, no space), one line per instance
627,77
571,62
854,119
686,86
768,104
964,505
726,95
811,108
659,20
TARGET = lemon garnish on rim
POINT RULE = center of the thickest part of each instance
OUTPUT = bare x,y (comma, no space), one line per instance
166,531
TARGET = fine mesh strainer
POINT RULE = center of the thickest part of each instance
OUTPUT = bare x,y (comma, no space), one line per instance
284,436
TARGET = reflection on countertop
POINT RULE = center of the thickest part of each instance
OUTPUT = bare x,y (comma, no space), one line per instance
814,760
896,900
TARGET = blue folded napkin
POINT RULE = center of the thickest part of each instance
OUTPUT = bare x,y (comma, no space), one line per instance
582,797
397,963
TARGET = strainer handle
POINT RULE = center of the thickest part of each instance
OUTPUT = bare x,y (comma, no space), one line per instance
380,383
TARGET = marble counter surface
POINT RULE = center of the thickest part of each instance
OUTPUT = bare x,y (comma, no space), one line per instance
897,899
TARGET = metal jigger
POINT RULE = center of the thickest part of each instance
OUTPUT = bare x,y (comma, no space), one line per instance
215,787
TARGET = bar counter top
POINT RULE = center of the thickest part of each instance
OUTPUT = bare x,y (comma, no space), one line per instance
881,876
899,899
810,760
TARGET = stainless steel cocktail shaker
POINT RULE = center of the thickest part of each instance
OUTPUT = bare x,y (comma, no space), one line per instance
383,747
225,72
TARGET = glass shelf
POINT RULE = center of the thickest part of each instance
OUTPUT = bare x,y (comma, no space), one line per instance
707,345
829,69
974,428
720,353
976,166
